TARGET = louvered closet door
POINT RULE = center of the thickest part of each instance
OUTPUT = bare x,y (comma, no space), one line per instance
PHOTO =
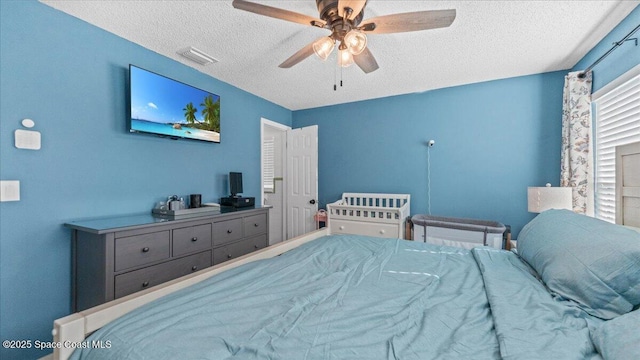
268,164
628,185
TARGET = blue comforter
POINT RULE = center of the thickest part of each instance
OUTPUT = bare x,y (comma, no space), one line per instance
356,297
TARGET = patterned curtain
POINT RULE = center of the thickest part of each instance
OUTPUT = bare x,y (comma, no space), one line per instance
576,138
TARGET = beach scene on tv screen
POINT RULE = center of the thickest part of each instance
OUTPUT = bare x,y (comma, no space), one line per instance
164,106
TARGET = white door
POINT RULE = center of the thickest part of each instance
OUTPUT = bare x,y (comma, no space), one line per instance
302,180
274,162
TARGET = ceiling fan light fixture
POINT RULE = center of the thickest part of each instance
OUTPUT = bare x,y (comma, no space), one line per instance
323,47
356,41
345,58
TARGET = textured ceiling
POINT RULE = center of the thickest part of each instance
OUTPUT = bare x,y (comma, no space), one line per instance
488,40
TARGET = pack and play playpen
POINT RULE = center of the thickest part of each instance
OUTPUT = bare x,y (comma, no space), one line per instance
465,233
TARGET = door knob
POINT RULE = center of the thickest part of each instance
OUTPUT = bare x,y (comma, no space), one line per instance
312,201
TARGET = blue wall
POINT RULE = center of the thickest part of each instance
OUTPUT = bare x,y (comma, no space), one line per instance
618,62
493,139
70,78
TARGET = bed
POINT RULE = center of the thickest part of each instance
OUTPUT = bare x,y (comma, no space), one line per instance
360,297
571,292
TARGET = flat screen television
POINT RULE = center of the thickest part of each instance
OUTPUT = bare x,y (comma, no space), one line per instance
166,107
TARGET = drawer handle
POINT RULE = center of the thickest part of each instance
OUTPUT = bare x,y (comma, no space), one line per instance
229,256
381,231
194,268
145,249
229,231
194,239
342,227
255,246
256,225
145,284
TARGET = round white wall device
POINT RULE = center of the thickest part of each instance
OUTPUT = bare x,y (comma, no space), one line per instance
28,123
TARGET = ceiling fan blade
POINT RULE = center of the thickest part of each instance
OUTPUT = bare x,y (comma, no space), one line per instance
302,54
412,21
277,13
366,61
355,5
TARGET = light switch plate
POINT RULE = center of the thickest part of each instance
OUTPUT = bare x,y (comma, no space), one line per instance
9,190
27,139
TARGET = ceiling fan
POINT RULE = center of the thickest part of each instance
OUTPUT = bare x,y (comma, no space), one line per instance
345,20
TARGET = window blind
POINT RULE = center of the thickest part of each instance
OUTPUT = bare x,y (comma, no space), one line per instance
617,122
268,164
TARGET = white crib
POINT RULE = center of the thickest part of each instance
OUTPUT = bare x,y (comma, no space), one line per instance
380,215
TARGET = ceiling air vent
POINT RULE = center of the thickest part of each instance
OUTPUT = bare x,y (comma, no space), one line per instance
196,55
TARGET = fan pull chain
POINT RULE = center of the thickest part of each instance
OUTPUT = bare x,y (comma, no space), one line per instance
335,74
335,79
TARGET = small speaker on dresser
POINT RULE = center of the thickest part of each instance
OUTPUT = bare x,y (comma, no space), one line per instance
195,201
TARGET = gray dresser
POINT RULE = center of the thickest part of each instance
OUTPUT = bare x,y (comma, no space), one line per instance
114,257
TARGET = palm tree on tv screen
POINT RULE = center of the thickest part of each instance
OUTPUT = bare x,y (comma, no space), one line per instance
211,113
190,113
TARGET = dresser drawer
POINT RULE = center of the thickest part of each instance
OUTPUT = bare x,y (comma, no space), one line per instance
259,242
254,225
145,278
133,251
237,249
363,228
227,231
191,239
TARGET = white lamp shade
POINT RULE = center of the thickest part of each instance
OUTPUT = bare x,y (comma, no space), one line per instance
545,198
